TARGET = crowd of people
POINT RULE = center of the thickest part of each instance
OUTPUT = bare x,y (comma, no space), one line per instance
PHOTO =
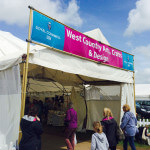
54,103
106,131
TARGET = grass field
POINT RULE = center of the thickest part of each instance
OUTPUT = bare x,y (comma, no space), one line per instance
138,146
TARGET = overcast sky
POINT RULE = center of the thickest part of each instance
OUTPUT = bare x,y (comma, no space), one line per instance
124,23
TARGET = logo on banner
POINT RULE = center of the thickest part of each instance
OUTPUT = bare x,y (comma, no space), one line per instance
49,25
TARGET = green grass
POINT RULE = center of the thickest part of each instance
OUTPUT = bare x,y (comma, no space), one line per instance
136,144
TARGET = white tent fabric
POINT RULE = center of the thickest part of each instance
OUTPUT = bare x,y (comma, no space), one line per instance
92,93
79,106
142,92
95,107
55,65
127,97
11,50
97,35
107,98
52,87
74,65
10,105
95,110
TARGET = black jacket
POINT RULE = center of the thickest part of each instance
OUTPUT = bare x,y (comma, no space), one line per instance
110,129
31,134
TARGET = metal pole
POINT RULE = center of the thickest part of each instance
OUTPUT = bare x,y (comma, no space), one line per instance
25,74
134,85
22,94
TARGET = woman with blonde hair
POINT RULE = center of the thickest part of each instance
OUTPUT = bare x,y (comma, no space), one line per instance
110,128
128,125
99,140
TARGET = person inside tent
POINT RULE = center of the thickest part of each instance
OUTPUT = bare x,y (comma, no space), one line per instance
71,125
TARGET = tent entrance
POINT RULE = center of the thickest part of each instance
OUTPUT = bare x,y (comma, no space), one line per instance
46,84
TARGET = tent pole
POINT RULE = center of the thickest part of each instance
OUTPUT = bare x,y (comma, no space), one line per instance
85,119
24,68
134,85
22,95
134,91
25,74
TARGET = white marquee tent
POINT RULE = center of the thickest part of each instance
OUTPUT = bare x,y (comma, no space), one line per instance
142,92
54,66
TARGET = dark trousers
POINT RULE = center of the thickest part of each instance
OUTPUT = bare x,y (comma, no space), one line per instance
129,139
69,138
112,148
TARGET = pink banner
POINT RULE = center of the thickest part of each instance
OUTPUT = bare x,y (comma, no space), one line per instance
79,44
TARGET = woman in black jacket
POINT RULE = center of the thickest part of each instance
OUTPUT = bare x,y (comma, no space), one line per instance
110,128
31,131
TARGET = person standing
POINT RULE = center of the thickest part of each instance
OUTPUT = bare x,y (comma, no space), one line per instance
110,128
71,125
128,126
31,131
99,140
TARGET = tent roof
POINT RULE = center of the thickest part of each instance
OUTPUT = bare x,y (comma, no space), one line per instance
42,86
142,90
97,35
75,69
56,65
11,50
10,45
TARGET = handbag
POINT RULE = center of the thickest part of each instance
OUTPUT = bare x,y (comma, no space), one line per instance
120,134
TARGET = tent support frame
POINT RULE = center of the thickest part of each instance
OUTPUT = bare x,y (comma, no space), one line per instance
25,74
103,83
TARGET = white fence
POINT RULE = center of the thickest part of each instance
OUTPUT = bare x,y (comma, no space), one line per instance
143,122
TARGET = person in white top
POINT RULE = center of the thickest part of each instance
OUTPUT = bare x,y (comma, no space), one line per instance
99,139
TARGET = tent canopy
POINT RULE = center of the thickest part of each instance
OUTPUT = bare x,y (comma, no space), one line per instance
142,91
11,50
49,64
97,35
55,66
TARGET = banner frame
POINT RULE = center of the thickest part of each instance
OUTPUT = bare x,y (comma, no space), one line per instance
76,30
98,62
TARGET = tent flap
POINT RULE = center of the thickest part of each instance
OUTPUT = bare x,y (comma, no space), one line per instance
10,105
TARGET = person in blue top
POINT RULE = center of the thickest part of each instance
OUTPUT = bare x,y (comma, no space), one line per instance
128,126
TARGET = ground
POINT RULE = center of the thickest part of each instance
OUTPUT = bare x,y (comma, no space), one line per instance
52,139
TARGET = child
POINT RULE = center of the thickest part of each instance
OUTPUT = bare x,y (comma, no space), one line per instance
99,140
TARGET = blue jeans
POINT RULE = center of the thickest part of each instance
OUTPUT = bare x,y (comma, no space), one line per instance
129,139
